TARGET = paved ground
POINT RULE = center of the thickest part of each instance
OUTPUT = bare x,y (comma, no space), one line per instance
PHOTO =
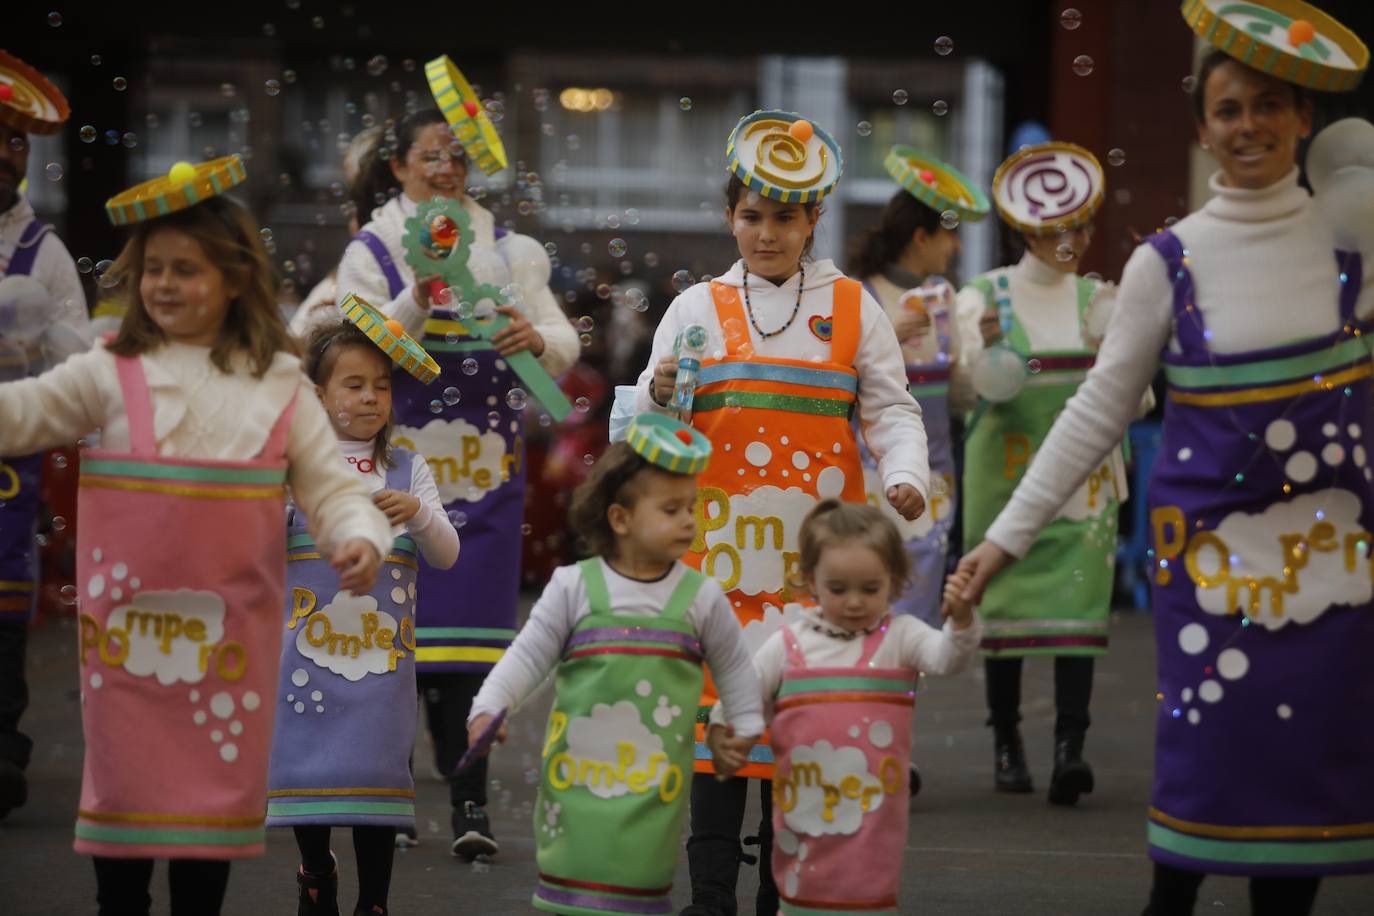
969,851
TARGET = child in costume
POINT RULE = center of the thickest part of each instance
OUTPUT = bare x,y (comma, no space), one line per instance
1056,603
470,616
628,630
794,349
346,705
181,545
1260,500
838,687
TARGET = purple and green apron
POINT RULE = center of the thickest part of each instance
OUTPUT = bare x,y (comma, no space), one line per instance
346,693
476,449
1261,512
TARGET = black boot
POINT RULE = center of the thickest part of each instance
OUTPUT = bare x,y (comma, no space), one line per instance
14,787
1010,773
914,786
1072,775
319,894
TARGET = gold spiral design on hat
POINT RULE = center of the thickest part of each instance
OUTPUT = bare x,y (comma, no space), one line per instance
779,150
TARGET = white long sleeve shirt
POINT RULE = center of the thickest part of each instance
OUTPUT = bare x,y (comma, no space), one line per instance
1265,274
54,269
888,415
430,527
535,652
200,412
909,643
513,259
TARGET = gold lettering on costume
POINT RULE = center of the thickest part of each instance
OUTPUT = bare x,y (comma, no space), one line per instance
320,633
112,643
1209,561
9,481
1018,454
811,775
705,522
565,770
761,526
449,469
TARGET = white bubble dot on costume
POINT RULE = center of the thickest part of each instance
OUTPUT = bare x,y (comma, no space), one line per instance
1301,467
1285,711
1184,454
300,677
1194,717
1192,638
880,734
830,483
644,688
317,695
1333,454
200,717
1209,691
251,700
96,680
299,707
1280,435
222,705
1232,664
758,454
229,753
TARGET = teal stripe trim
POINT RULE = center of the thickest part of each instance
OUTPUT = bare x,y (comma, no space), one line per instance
936,390
1251,852
439,345
178,472
764,372
297,541
1273,371
463,633
759,753
797,685
791,909
139,210
302,809
103,833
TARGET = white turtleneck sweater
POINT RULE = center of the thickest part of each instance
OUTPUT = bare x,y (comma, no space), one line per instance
1265,274
888,415
200,412
513,259
1046,303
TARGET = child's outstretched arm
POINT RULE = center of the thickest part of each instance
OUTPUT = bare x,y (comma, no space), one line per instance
535,652
947,650
731,668
59,406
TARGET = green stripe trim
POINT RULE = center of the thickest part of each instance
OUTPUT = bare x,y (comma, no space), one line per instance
103,833
937,389
302,809
1273,371
463,633
791,909
820,407
178,472
462,346
823,684
1250,852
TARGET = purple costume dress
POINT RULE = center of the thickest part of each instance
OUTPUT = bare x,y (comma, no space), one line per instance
1261,509
345,721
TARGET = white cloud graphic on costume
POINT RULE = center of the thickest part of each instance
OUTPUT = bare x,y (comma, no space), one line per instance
153,620
1253,552
807,814
443,443
761,569
599,737
345,613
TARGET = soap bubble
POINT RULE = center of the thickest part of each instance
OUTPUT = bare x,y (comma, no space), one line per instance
1116,157
943,45
436,406
682,280
939,108
684,103
617,248
900,97
119,83
53,171
87,134
516,399
1083,65
1071,19
582,404
470,366
950,219
272,87
864,128
84,265
452,396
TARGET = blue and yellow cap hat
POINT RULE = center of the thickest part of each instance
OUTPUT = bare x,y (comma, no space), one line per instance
183,186
669,444
784,157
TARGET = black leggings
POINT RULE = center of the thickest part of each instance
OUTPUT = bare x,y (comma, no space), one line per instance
197,886
373,847
1073,689
1175,891
713,849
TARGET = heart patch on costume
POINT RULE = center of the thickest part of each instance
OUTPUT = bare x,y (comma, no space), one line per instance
823,328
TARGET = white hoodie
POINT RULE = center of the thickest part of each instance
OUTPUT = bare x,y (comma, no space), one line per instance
888,415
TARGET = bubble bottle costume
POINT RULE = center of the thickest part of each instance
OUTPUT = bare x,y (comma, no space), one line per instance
943,189
1057,600
190,639
346,691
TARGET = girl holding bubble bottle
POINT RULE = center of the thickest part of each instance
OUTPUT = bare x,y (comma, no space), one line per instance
1260,501
181,544
794,350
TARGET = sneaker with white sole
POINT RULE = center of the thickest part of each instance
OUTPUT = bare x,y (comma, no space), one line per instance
407,838
472,833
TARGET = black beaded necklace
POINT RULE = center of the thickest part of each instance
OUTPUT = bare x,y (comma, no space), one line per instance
796,308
